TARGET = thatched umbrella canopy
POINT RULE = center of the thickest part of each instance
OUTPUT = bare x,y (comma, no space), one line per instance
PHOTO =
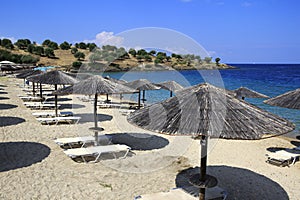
55,78
243,92
172,86
289,99
115,81
27,73
208,111
96,85
142,85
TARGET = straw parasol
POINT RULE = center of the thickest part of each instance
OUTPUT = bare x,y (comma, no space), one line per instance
115,81
54,77
206,111
172,86
243,92
27,73
289,99
95,85
142,85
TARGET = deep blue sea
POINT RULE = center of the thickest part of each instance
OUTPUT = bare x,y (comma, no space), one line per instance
268,79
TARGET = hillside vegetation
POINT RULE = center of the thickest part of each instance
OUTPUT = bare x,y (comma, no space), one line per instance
89,57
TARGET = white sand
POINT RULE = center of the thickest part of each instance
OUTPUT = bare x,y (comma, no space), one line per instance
239,166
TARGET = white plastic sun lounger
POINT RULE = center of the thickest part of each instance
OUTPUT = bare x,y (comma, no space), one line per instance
97,151
56,120
284,157
30,98
179,194
38,105
83,139
52,114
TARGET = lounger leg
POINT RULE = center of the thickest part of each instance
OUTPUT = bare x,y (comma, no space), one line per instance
126,153
97,158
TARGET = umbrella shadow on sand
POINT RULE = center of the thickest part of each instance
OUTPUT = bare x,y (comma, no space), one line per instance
3,98
3,93
7,106
296,143
59,99
87,117
71,106
8,121
238,182
16,155
3,86
139,141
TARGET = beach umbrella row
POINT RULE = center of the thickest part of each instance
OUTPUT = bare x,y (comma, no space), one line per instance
204,111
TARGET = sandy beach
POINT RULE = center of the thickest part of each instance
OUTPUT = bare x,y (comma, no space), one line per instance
34,167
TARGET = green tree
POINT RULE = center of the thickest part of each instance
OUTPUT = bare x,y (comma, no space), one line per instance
49,52
46,42
217,61
22,43
152,52
92,46
207,59
148,58
53,45
79,55
82,45
28,59
132,52
74,50
6,43
142,52
39,50
30,48
76,65
65,46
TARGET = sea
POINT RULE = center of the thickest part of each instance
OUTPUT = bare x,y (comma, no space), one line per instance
268,79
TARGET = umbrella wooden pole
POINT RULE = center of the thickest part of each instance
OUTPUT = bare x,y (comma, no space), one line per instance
139,100
143,96
96,119
55,96
203,143
171,93
33,88
107,100
41,93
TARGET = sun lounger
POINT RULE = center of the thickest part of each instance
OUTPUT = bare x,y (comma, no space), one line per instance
30,98
179,194
52,114
56,120
38,105
97,151
103,139
284,157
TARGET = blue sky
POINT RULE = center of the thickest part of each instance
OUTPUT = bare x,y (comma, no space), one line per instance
237,31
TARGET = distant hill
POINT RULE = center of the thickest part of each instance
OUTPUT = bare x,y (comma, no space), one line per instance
108,58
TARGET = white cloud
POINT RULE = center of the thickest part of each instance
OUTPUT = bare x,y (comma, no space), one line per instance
105,38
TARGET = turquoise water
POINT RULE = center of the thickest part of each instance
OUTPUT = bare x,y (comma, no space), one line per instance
268,79
44,69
